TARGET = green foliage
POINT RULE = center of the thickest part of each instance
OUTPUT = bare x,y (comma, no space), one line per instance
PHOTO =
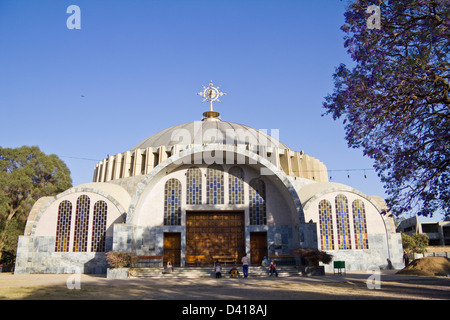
416,243
26,174
314,256
119,259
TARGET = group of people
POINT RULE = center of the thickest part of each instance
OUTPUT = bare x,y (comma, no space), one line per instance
234,271
245,262
272,266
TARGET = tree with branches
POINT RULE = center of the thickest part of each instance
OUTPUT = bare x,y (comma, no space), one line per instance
26,174
395,101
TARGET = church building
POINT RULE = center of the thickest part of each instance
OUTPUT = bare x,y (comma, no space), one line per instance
207,190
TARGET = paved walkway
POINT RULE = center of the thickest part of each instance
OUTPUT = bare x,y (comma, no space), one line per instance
353,285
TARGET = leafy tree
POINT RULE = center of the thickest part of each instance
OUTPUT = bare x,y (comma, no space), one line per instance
395,100
119,259
26,174
313,256
416,243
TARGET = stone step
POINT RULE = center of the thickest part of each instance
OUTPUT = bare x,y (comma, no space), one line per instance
198,272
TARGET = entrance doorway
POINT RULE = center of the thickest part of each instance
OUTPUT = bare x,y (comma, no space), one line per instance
172,248
214,235
258,247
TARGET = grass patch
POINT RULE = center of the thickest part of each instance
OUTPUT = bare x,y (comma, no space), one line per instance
52,293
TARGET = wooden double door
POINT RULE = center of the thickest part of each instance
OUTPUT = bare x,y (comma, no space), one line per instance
214,234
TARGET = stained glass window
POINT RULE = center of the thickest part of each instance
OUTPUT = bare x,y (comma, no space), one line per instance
172,203
194,186
99,226
257,202
81,224
326,225
214,185
359,225
342,222
236,185
63,226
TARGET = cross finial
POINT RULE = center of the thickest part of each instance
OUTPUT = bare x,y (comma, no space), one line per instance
211,94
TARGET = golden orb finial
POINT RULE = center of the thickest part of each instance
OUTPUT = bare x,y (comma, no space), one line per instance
211,94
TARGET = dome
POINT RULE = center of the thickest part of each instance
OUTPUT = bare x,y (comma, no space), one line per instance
210,130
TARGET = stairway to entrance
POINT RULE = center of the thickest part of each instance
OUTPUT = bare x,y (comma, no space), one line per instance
202,272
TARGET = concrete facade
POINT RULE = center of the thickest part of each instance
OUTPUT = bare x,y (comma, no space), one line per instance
438,232
132,185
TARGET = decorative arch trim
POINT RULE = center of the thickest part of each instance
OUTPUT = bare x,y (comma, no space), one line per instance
177,159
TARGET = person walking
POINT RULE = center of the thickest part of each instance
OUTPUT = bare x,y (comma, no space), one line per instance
405,258
245,265
273,268
218,269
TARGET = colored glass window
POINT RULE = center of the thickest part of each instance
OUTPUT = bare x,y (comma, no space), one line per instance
360,225
63,226
172,203
236,185
214,185
81,224
326,225
342,222
99,227
194,186
257,202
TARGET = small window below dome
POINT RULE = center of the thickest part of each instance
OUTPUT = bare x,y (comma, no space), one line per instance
143,163
155,159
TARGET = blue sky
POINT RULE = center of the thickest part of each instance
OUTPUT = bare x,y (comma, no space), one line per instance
134,68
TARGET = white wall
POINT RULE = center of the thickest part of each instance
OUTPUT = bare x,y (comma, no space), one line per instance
46,226
375,222
150,208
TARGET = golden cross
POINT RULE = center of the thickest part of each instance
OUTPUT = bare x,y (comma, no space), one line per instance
211,94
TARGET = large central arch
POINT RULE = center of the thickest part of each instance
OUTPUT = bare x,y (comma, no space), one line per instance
275,175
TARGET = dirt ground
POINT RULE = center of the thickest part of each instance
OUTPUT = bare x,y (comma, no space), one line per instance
428,266
351,286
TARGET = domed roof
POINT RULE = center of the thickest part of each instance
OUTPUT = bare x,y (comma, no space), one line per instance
208,131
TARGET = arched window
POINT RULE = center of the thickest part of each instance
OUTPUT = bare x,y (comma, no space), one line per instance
342,222
81,224
326,225
360,225
236,185
99,227
214,184
257,202
172,203
63,226
194,186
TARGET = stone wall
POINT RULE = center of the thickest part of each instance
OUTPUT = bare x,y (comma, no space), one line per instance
378,255
37,255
